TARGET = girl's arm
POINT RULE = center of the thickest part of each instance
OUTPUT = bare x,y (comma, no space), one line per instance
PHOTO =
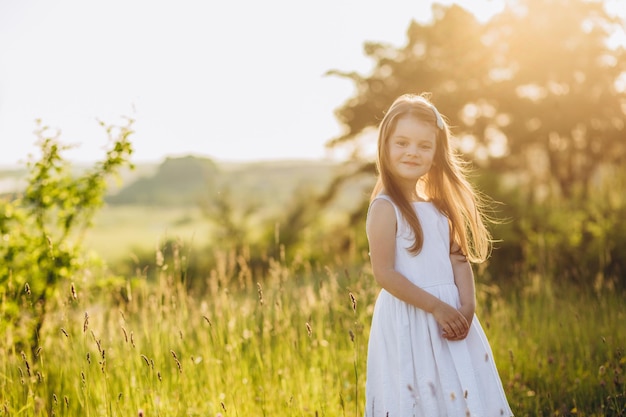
381,232
464,280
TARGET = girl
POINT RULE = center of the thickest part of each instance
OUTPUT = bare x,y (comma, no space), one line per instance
428,355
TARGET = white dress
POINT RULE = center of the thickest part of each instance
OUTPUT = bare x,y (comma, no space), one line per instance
412,371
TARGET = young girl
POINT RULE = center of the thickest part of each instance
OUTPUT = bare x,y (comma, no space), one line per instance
428,355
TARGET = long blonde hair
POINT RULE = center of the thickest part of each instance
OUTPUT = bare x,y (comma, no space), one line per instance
445,184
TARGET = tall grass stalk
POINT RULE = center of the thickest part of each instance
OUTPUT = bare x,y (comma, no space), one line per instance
292,343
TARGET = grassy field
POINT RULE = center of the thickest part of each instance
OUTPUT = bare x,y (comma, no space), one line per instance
292,343
143,228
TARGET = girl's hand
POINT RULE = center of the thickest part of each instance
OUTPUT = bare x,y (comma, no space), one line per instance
468,313
451,321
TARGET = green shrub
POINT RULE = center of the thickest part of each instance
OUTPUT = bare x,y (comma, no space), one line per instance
41,231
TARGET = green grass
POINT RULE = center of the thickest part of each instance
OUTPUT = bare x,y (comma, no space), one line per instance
142,227
562,350
292,343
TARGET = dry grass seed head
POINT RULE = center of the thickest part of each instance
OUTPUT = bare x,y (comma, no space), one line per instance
353,299
86,323
260,292
26,363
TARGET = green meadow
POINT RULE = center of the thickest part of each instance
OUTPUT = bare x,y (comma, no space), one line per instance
292,342
119,231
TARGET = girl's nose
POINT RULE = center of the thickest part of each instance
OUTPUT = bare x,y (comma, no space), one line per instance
411,151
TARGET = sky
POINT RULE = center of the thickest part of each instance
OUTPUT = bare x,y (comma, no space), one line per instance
239,80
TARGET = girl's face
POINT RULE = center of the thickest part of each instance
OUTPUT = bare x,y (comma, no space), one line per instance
411,149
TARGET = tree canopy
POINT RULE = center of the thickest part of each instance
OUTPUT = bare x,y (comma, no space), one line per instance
536,91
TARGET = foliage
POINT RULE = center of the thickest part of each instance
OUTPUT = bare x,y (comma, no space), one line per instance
293,344
562,99
578,241
553,109
42,230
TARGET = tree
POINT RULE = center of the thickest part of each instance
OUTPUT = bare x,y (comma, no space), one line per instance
560,91
446,58
538,82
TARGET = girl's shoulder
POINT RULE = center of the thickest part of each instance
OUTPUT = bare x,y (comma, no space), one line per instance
382,217
382,207
381,199
382,196
384,200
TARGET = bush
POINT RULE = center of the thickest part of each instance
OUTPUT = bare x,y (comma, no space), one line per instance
41,231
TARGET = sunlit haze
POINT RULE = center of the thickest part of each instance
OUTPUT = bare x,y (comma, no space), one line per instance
241,80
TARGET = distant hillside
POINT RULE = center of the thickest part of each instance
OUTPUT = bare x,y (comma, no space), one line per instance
189,180
177,181
186,181
276,182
